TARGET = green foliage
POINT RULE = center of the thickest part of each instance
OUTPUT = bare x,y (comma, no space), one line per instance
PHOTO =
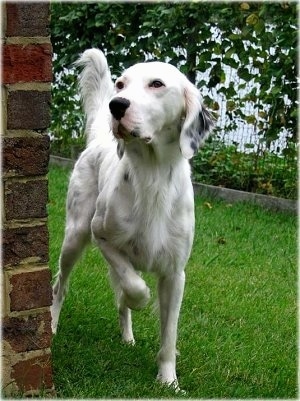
260,172
257,39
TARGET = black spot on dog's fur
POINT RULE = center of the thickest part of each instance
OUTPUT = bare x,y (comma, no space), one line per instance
126,176
194,145
205,120
120,149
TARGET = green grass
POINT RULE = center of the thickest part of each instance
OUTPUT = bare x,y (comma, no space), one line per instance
238,324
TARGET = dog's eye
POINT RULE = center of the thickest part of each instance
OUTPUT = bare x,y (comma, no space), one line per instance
156,84
120,85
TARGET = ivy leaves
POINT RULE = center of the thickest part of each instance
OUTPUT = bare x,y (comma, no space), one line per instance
257,41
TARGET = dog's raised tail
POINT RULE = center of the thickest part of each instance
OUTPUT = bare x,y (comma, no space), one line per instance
96,89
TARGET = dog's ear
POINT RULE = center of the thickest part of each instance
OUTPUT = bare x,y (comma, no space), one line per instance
197,124
120,148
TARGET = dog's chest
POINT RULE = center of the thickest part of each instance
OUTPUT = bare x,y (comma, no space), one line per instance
151,242
154,228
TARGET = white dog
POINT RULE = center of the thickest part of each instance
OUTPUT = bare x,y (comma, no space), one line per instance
131,191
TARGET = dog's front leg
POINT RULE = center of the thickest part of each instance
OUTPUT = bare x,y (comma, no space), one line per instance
124,311
131,290
170,292
136,294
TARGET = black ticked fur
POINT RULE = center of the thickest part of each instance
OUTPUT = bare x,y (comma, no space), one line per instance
206,121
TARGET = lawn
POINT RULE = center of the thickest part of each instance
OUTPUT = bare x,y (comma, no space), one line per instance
238,324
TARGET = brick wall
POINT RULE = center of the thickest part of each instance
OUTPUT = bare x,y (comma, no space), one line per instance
26,77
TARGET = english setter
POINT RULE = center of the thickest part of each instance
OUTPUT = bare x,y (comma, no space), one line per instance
131,191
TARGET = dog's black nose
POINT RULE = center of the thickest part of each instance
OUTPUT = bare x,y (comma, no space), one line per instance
118,106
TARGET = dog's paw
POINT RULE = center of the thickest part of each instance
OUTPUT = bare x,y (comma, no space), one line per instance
55,312
129,341
127,334
172,385
54,320
167,377
138,297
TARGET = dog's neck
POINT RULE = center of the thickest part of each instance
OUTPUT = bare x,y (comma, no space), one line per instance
154,169
152,156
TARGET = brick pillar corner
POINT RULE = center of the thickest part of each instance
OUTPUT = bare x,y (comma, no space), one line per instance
26,300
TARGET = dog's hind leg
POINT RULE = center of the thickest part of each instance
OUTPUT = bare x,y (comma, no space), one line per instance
80,209
73,245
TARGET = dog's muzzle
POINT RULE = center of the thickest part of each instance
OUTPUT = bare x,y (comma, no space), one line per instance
118,107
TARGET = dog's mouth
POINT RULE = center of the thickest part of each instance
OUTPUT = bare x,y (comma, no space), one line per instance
121,132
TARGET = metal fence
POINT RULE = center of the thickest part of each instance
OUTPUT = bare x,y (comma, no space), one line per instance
245,135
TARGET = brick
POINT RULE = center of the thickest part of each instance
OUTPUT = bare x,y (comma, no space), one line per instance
33,374
30,63
25,242
30,290
28,19
26,156
26,199
28,333
28,110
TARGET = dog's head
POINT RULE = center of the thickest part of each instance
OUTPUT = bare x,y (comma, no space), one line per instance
155,103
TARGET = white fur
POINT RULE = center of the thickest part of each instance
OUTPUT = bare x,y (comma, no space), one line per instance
131,190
